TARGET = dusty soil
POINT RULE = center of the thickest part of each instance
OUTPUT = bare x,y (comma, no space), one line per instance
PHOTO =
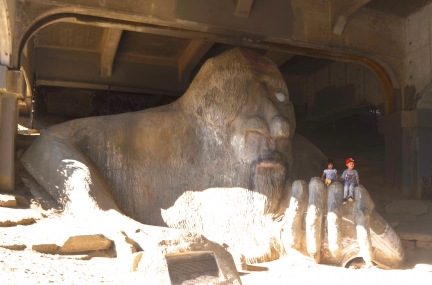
353,138
27,267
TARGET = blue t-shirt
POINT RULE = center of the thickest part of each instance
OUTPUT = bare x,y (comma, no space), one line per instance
330,173
350,176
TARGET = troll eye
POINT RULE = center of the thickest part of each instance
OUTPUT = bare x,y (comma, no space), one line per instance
280,96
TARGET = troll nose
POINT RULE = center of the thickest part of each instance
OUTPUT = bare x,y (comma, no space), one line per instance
280,128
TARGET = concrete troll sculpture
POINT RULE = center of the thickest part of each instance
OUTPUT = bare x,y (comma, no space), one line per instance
222,161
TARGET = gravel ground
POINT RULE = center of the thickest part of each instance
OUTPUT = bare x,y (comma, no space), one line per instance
27,267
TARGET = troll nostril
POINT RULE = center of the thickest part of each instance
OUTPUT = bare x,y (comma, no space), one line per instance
280,128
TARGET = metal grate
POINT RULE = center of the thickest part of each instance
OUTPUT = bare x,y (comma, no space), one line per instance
193,268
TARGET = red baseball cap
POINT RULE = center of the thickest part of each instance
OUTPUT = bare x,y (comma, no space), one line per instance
349,160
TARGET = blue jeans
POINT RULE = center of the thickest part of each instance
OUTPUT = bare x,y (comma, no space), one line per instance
349,187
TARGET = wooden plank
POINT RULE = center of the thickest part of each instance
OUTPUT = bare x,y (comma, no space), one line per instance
279,58
342,17
243,8
109,49
147,59
84,85
193,53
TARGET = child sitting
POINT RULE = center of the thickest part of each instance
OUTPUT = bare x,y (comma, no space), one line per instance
330,174
351,178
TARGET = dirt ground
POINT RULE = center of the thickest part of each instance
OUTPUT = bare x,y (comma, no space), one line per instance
27,267
353,138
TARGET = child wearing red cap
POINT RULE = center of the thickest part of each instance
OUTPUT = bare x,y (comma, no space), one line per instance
351,178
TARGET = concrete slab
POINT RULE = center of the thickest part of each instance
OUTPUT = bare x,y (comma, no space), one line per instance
85,243
13,246
45,248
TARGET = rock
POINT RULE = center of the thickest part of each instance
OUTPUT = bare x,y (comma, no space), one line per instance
132,244
22,201
125,246
85,243
7,200
13,217
407,235
20,221
394,224
239,261
136,257
414,207
76,257
102,253
14,246
126,249
45,248
424,244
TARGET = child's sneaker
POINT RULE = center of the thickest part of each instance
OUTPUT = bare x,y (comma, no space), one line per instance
344,201
350,199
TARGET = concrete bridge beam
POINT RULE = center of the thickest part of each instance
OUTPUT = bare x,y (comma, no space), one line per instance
12,84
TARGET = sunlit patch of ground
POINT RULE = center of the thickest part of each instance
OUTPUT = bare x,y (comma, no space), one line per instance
300,272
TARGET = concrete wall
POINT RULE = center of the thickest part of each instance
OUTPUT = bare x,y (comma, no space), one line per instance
408,133
425,98
7,21
336,87
408,137
418,59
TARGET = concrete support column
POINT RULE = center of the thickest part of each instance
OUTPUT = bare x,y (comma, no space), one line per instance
8,132
12,86
408,155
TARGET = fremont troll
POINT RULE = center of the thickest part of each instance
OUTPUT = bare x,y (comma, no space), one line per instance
222,161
